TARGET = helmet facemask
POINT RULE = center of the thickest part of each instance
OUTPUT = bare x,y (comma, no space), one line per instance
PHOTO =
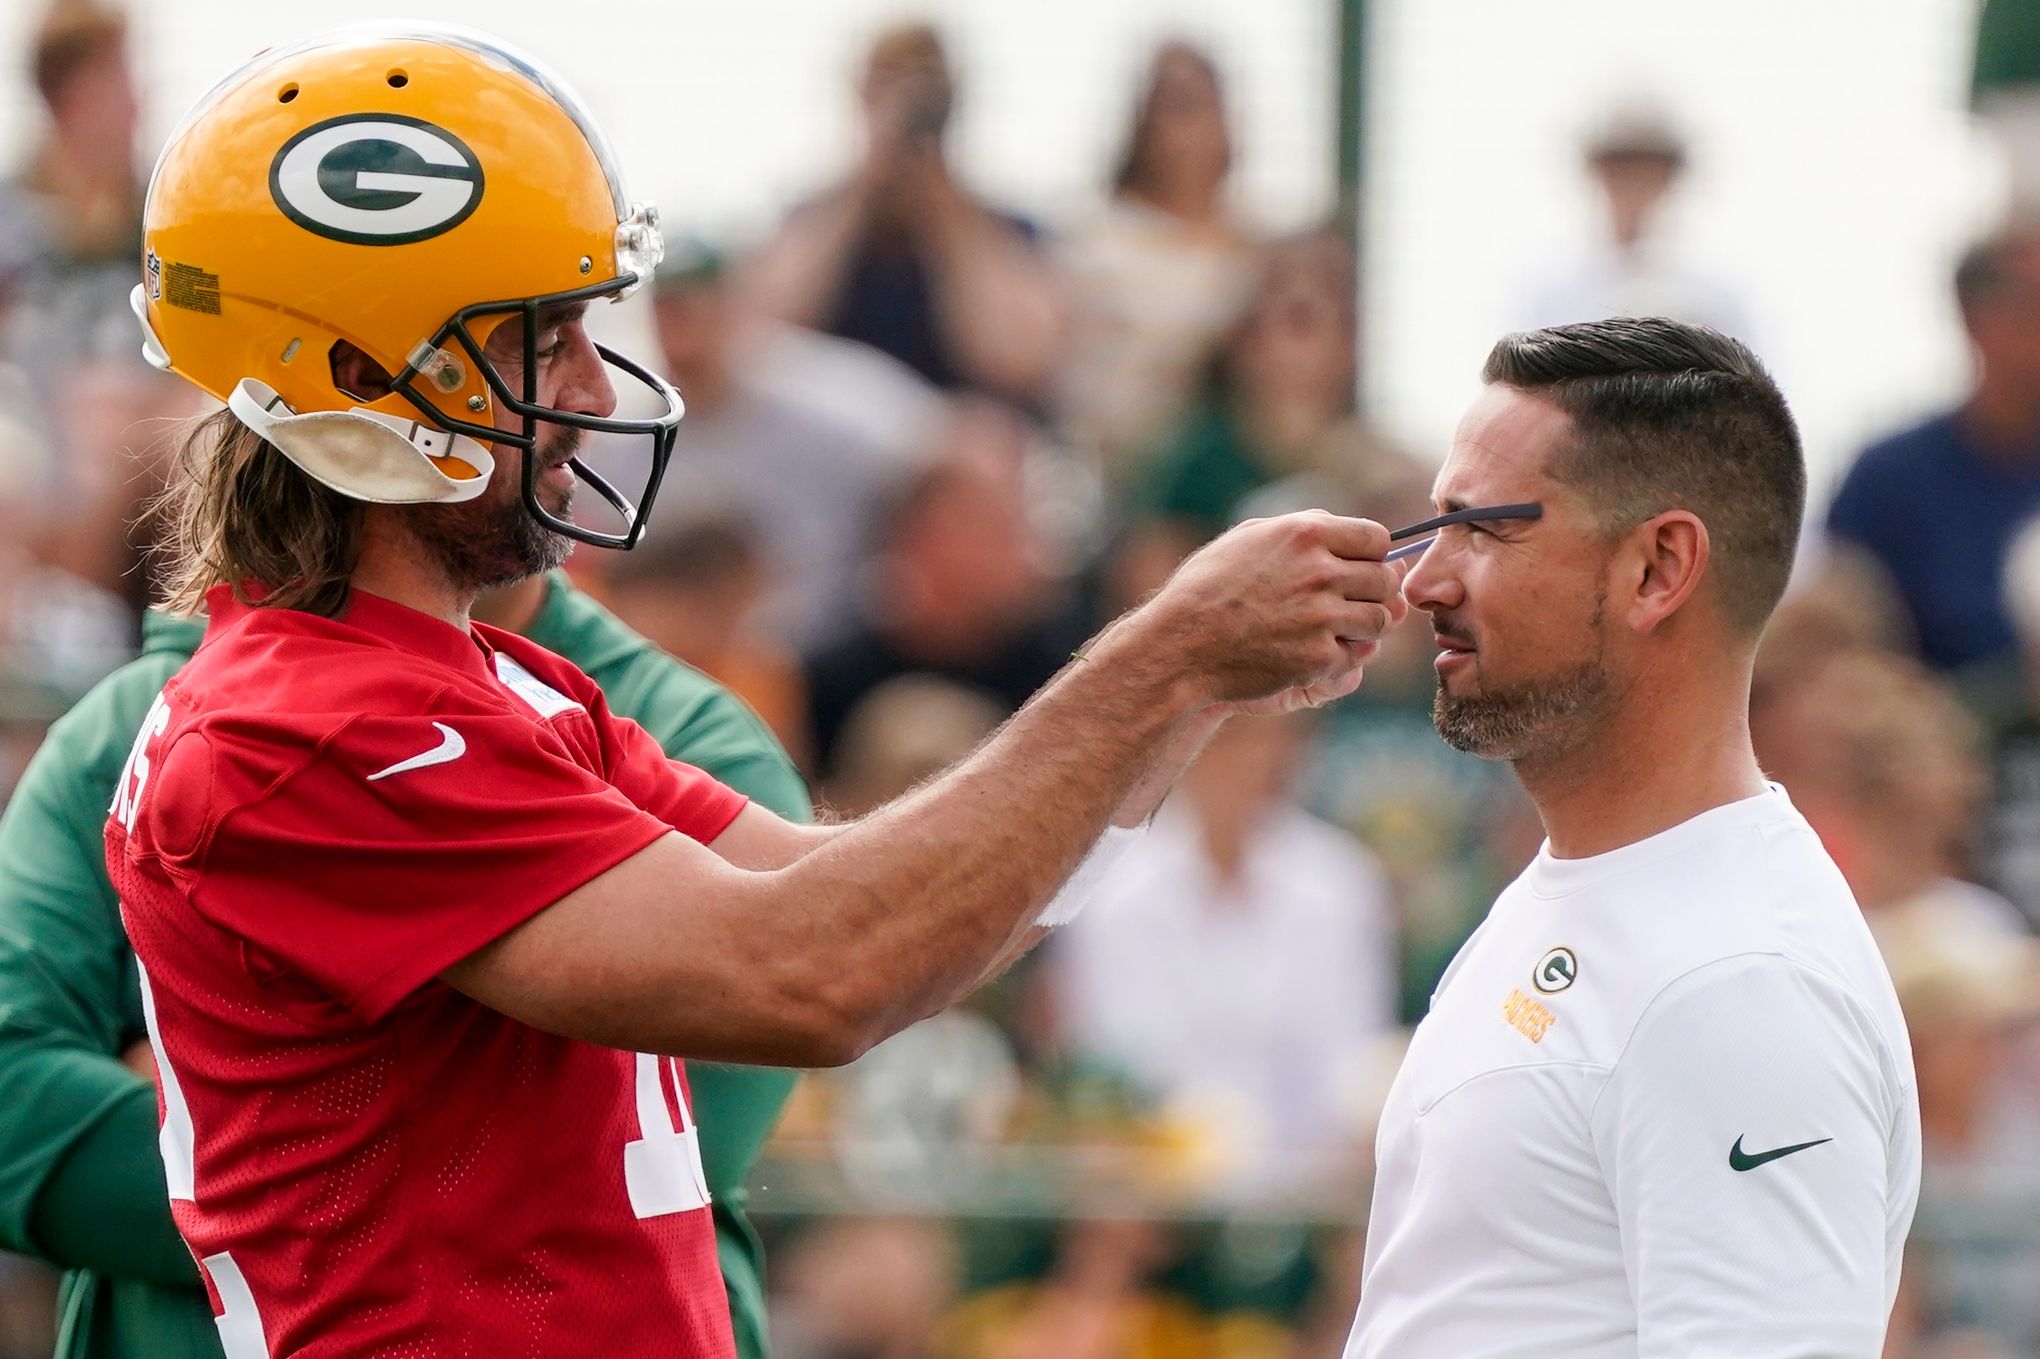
419,376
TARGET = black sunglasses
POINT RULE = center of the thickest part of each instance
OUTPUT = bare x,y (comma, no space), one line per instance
1482,514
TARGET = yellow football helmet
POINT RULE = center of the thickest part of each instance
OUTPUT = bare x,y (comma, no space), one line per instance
407,190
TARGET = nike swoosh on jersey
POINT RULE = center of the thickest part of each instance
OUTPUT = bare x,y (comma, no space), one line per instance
450,748
1738,1159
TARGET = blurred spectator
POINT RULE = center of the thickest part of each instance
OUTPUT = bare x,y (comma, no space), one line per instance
1097,1303
2006,86
1636,159
905,259
2009,700
1239,962
1968,988
1277,403
903,733
808,478
1158,273
1843,601
1884,764
116,427
1937,504
961,586
71,217
693,589
1971,995
863,1288
58,634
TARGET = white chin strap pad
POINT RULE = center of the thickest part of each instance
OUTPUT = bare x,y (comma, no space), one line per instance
383,459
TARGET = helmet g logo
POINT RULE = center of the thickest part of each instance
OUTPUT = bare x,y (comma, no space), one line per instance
1555,971
376,179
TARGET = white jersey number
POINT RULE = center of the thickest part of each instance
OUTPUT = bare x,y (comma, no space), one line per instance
127,794
662,1169
239,1321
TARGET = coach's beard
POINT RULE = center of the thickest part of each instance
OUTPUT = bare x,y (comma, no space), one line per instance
1522,721
1529,719
493,539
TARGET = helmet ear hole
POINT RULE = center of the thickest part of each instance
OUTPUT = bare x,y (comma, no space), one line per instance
398,80
358,375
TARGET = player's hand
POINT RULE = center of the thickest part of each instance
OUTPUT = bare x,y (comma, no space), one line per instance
1279,614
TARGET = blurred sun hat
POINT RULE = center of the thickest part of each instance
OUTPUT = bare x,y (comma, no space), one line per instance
1636,131
1951,957
691,261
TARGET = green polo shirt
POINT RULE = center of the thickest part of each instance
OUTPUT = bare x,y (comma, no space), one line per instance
81,1181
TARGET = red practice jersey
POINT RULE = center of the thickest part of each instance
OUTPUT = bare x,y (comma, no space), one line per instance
319,817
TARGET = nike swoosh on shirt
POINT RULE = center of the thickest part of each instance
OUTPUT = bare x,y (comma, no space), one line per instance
450,748
1738,1159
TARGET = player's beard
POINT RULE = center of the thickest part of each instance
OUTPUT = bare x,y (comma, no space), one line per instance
1531,718
493,539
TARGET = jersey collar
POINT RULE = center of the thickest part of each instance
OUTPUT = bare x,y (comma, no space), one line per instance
395,624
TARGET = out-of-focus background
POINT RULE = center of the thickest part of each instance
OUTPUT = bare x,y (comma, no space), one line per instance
988,313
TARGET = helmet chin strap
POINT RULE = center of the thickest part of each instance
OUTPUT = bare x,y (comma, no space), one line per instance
365,454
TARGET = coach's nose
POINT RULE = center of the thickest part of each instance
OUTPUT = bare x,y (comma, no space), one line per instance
1434,584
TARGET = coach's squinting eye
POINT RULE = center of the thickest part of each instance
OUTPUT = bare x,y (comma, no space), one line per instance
1482,514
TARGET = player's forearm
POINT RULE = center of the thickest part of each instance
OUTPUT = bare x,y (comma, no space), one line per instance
1187,742
926,896
1141,803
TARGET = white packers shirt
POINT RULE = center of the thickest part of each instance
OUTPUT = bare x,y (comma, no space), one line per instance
1662,1105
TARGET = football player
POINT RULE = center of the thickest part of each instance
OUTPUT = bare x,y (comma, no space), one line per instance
78,1149
422,927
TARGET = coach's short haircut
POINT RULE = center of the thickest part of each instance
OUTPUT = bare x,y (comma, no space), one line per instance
1670,416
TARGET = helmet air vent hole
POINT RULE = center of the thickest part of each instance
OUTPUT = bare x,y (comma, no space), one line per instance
290,350
286,94
398,80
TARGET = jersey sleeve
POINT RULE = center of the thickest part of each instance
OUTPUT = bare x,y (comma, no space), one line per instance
397,847
1734,1245
678,794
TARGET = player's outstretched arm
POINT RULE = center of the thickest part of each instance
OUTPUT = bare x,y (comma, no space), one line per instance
676,950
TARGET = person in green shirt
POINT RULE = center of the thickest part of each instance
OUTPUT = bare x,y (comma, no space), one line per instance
81,1180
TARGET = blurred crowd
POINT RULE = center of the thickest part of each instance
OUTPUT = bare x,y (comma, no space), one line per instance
931,445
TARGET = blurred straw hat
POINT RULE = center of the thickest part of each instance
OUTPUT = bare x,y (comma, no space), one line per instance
1952,957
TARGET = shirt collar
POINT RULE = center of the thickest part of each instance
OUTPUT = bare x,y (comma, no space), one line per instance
391,623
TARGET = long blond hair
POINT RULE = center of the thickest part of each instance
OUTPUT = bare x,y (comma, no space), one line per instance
237,512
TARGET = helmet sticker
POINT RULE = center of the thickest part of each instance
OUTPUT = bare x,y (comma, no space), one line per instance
376,179
191,288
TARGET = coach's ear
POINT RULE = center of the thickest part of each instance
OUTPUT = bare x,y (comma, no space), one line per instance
1661,563
358,375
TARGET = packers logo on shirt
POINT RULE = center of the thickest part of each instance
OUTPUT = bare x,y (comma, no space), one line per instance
1555,971
376,179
